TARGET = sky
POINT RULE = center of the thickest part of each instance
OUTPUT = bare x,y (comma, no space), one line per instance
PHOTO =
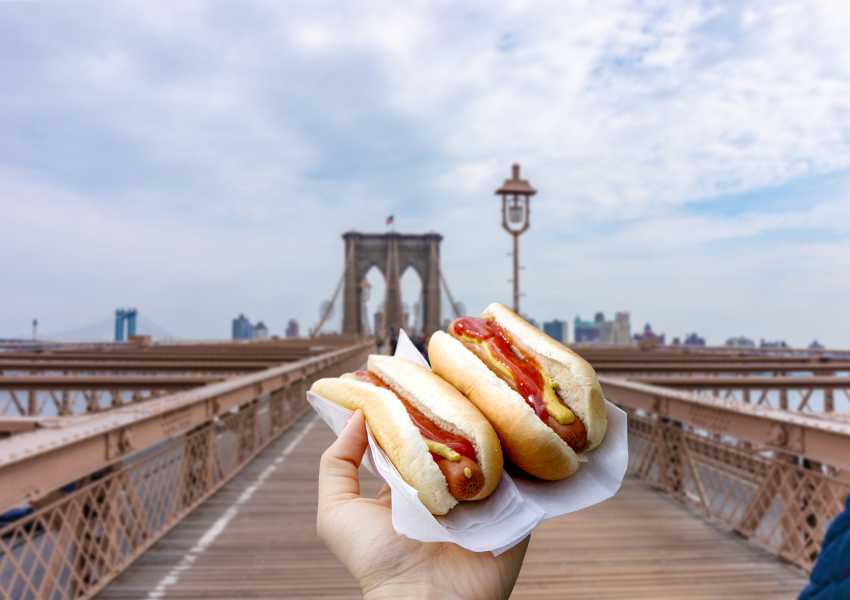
196,160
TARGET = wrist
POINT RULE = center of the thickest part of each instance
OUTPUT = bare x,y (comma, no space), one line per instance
393,591
389,591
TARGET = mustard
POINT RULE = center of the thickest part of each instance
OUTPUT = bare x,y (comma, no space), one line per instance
467,472
442,450
497,364
554,405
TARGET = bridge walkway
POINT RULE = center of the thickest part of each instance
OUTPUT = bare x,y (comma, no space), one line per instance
256,539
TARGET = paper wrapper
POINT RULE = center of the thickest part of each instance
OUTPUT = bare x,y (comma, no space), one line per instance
518,505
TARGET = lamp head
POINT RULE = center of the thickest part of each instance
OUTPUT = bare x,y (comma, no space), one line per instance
516,186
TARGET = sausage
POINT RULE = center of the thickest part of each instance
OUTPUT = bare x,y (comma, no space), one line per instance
574,434
461,486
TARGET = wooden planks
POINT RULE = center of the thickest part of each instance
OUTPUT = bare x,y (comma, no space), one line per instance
639,545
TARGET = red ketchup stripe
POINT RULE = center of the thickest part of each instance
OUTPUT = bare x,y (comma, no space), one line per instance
527,378
426,426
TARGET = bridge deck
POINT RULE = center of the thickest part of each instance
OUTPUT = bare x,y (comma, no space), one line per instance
256,539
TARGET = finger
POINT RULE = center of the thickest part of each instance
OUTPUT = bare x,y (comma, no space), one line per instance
338,467
384,497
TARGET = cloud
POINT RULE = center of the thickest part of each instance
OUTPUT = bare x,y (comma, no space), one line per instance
200,159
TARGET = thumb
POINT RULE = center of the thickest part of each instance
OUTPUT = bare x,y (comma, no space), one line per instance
338,468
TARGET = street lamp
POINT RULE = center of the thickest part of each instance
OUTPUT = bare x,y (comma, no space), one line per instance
515,193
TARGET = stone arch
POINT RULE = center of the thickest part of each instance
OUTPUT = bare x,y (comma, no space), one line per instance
392,253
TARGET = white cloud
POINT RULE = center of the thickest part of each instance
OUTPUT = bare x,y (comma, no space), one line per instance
313,36
632,106
201,161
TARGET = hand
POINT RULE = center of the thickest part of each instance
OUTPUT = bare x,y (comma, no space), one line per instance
359,532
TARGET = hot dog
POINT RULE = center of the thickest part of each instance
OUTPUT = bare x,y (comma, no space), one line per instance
543,400
440,443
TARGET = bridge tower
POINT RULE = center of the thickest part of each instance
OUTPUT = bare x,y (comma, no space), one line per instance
393,253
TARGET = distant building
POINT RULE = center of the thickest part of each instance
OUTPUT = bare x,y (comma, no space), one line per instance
618,331
649,337
772,343
676,342
242,328
621,329
815,345
585,331
740,342
604,327
125,319
556,329
292,328
692,339
261,332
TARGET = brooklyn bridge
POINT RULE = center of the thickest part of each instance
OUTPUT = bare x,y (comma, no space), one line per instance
175,470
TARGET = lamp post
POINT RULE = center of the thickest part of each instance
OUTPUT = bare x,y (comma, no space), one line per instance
515,193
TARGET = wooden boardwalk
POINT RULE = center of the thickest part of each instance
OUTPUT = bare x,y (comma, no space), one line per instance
256,539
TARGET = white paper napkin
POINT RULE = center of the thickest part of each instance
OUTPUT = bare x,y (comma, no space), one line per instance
518,505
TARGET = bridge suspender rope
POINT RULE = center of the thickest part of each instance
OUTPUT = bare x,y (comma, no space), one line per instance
330,307
452,302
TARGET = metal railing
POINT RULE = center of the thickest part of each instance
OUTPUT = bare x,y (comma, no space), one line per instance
775,478
74,394
77,381
813,394
142,472
103,488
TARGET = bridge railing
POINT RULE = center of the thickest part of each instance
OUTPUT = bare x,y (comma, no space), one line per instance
130,474
69,394
812,394
103,488
775,478
68,381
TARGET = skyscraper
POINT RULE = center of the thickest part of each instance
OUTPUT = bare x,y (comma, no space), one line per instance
242,329
693,339
621,329
556,329
261,332
292,328
649,338
618,331
585,331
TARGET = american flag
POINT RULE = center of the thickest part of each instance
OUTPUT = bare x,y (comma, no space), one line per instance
390,220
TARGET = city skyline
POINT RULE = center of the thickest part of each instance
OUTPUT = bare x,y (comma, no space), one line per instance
692,162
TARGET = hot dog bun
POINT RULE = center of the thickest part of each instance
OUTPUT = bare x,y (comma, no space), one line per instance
402,441
578,386
529,442
340,391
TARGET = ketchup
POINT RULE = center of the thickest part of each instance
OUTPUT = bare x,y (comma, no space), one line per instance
426,426
527,378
